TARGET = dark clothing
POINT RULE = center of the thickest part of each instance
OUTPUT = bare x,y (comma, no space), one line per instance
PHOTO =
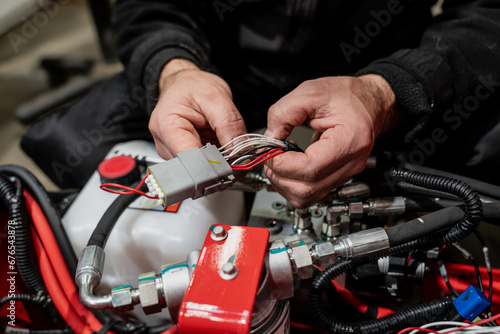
443,70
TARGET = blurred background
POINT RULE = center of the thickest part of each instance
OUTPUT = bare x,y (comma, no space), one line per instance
51,52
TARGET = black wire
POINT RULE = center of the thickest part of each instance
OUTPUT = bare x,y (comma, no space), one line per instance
478,275
481,240
268,149
444,274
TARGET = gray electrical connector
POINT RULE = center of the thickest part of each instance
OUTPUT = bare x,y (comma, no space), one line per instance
192,174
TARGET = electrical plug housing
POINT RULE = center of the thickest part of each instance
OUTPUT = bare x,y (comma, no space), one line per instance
471,303
192,174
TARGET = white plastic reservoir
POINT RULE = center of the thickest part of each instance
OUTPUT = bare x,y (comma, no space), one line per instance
145,239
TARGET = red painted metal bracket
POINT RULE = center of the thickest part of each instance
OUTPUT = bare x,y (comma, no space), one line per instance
214,302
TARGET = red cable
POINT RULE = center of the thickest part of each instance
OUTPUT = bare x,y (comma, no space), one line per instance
260,157
62,274
57,295
130,190
358,304
411,329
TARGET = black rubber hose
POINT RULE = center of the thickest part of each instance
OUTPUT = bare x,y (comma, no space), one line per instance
107,222
25,258
421,226
428,204
480,186
491,213
31,183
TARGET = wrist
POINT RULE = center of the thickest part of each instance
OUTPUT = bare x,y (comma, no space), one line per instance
174,66
386,110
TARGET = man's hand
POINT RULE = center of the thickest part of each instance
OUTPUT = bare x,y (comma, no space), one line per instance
349,113
194,107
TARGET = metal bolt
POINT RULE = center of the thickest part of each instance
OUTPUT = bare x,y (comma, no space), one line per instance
218,233
228,271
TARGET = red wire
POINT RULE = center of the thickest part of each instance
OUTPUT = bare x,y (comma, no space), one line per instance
130,190
410,329
259,160
259,157
60,270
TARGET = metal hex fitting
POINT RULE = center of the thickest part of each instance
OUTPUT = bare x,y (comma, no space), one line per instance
301,258
324,253
148,291
356,210
122,299
386,206
354,190
302,219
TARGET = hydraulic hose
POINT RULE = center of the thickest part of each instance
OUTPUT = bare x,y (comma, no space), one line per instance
25,259
31,183
107,222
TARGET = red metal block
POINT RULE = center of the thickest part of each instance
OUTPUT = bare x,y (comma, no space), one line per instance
213,304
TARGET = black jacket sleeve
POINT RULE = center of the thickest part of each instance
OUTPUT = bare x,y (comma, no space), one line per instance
150,33
457,55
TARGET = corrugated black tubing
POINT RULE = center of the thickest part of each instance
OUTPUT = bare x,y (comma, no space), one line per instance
25,258
472,207
31,184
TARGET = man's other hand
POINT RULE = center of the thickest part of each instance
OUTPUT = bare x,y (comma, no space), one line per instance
349,113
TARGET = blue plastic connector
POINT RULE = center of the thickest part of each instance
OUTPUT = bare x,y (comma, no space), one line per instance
471,303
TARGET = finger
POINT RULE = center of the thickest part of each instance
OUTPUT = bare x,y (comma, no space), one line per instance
223,117
301,194
320,159
293,109
180,134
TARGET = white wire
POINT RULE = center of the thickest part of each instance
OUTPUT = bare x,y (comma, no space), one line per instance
235,139
251,141
454,324
240,159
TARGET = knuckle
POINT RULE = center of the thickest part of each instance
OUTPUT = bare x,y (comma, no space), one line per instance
310,87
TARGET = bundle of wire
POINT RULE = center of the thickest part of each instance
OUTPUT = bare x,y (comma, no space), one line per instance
455,327
254,148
